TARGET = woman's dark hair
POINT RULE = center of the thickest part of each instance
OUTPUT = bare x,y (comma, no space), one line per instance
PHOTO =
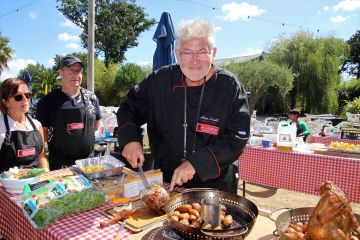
294,111
8,88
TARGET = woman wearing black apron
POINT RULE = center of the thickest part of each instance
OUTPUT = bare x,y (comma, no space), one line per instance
21,139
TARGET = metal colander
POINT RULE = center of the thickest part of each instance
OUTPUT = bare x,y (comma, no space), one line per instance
243,211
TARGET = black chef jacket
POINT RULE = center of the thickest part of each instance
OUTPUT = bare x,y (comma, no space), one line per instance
222,129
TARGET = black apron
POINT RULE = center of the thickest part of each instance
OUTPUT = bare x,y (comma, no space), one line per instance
20,147
73,136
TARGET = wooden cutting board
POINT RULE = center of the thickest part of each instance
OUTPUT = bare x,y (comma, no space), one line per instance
143,217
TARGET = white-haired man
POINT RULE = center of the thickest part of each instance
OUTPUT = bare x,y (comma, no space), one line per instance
197,115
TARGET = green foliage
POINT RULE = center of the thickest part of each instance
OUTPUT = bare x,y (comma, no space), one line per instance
352,107
258,77
104,82
316,63
70,203
5,53
351,64
127,76
118,25
348,90
130,74
113,83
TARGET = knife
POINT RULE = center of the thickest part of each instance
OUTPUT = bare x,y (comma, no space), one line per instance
119,234
143,177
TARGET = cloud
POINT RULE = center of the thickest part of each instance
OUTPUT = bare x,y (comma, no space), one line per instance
145,63
339,18
234,11
69,24
65,37
326,8
347,5
72,45
218,29
252,51
15,65
33,15
50,63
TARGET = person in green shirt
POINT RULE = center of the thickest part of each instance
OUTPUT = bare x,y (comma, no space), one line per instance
302,128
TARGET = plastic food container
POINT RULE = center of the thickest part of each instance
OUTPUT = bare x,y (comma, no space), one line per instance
17,185
100,167
266,143
286,136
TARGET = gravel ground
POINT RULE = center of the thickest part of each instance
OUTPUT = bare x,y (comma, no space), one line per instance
269,199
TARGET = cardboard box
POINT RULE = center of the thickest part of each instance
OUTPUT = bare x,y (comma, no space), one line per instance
132,184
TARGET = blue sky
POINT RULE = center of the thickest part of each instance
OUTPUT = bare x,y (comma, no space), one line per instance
38,31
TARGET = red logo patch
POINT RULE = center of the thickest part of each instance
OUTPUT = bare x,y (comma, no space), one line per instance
74,126
26,152
204,128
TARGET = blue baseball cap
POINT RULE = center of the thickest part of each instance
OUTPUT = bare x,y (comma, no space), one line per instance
70,60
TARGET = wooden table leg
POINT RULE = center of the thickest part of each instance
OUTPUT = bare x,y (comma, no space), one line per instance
243,188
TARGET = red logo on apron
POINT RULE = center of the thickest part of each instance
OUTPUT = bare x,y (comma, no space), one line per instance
26,152
204,128
74,126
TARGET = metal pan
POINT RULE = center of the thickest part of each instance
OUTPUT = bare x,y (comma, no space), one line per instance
243,211
112,166
292,216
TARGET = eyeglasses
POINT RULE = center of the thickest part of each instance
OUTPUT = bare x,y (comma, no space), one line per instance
202,55
73,71
20,96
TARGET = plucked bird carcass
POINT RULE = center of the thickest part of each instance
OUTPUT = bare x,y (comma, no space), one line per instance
332,218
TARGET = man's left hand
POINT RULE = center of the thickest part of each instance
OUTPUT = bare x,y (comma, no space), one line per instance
182,174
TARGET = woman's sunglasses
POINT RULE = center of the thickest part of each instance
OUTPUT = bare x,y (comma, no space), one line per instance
19,97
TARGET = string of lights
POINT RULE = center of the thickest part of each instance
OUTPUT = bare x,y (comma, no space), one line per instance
18,9
200,4
249,17
189,1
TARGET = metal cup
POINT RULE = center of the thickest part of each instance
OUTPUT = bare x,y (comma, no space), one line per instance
210,211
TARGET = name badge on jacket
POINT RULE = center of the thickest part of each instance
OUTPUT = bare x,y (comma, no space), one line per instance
204,128
74,126
25,152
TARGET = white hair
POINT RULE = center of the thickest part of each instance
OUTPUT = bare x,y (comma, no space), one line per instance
195,28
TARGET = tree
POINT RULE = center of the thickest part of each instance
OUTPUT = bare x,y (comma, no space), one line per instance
258,76
351,107
316,63
351,64
118,25
128,75
105,87
349,90
5,53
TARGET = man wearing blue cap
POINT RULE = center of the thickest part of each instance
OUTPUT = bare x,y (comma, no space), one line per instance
70,116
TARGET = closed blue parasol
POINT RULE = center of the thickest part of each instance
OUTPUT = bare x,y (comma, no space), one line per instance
27,79
164,37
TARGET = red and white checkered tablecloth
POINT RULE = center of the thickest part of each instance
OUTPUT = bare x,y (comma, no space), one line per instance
327,140
300,172
78,226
